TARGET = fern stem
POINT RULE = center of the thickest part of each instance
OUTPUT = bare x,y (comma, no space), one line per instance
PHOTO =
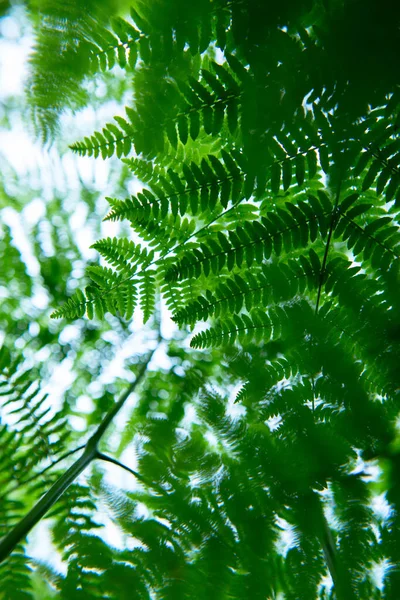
324,260
21,529
24,526
100,431
139,477
341,583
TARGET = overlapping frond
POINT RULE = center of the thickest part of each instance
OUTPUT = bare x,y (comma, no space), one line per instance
273,283
196,190
280,231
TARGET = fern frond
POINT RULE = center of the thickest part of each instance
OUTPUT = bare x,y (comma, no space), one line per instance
104,277
123,254
255,240
147,293
73,308
16,564
273,283
74,41
111,293
31,425
112,139
379,162
256,326
186,108
199,189
119,46
369,232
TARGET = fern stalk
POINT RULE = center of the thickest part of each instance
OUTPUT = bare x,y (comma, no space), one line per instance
328,242
21,529
137,475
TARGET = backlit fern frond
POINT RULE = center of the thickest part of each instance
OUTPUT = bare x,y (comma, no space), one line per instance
273,283
72,41
123,254
275,322
246,328
372,237
378,163
147,293
187,109
278,232
112,139
269,156
199,189
111,293
119,46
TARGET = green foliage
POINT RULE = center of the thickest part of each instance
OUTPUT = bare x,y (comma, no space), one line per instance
267,157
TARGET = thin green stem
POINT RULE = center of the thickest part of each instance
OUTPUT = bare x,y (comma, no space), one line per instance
328,242
139,477
335,568
100,431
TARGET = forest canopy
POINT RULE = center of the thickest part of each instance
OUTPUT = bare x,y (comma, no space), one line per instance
199,314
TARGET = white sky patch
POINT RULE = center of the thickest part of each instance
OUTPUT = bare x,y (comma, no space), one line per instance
34,211
378,572
381,506
60,380
84,404
69,333
117,367
287,536
40,299
219,56
110,229
83,234
14,51
371,471
189,418
326,583
110,533
283,383
11,218
234,410
142,512
41,547
34,329
168,326
274,422
211,439
21,152
77,423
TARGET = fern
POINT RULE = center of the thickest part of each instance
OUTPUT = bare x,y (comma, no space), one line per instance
274,283
198,190
268,157
255,240
123,254
95,302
